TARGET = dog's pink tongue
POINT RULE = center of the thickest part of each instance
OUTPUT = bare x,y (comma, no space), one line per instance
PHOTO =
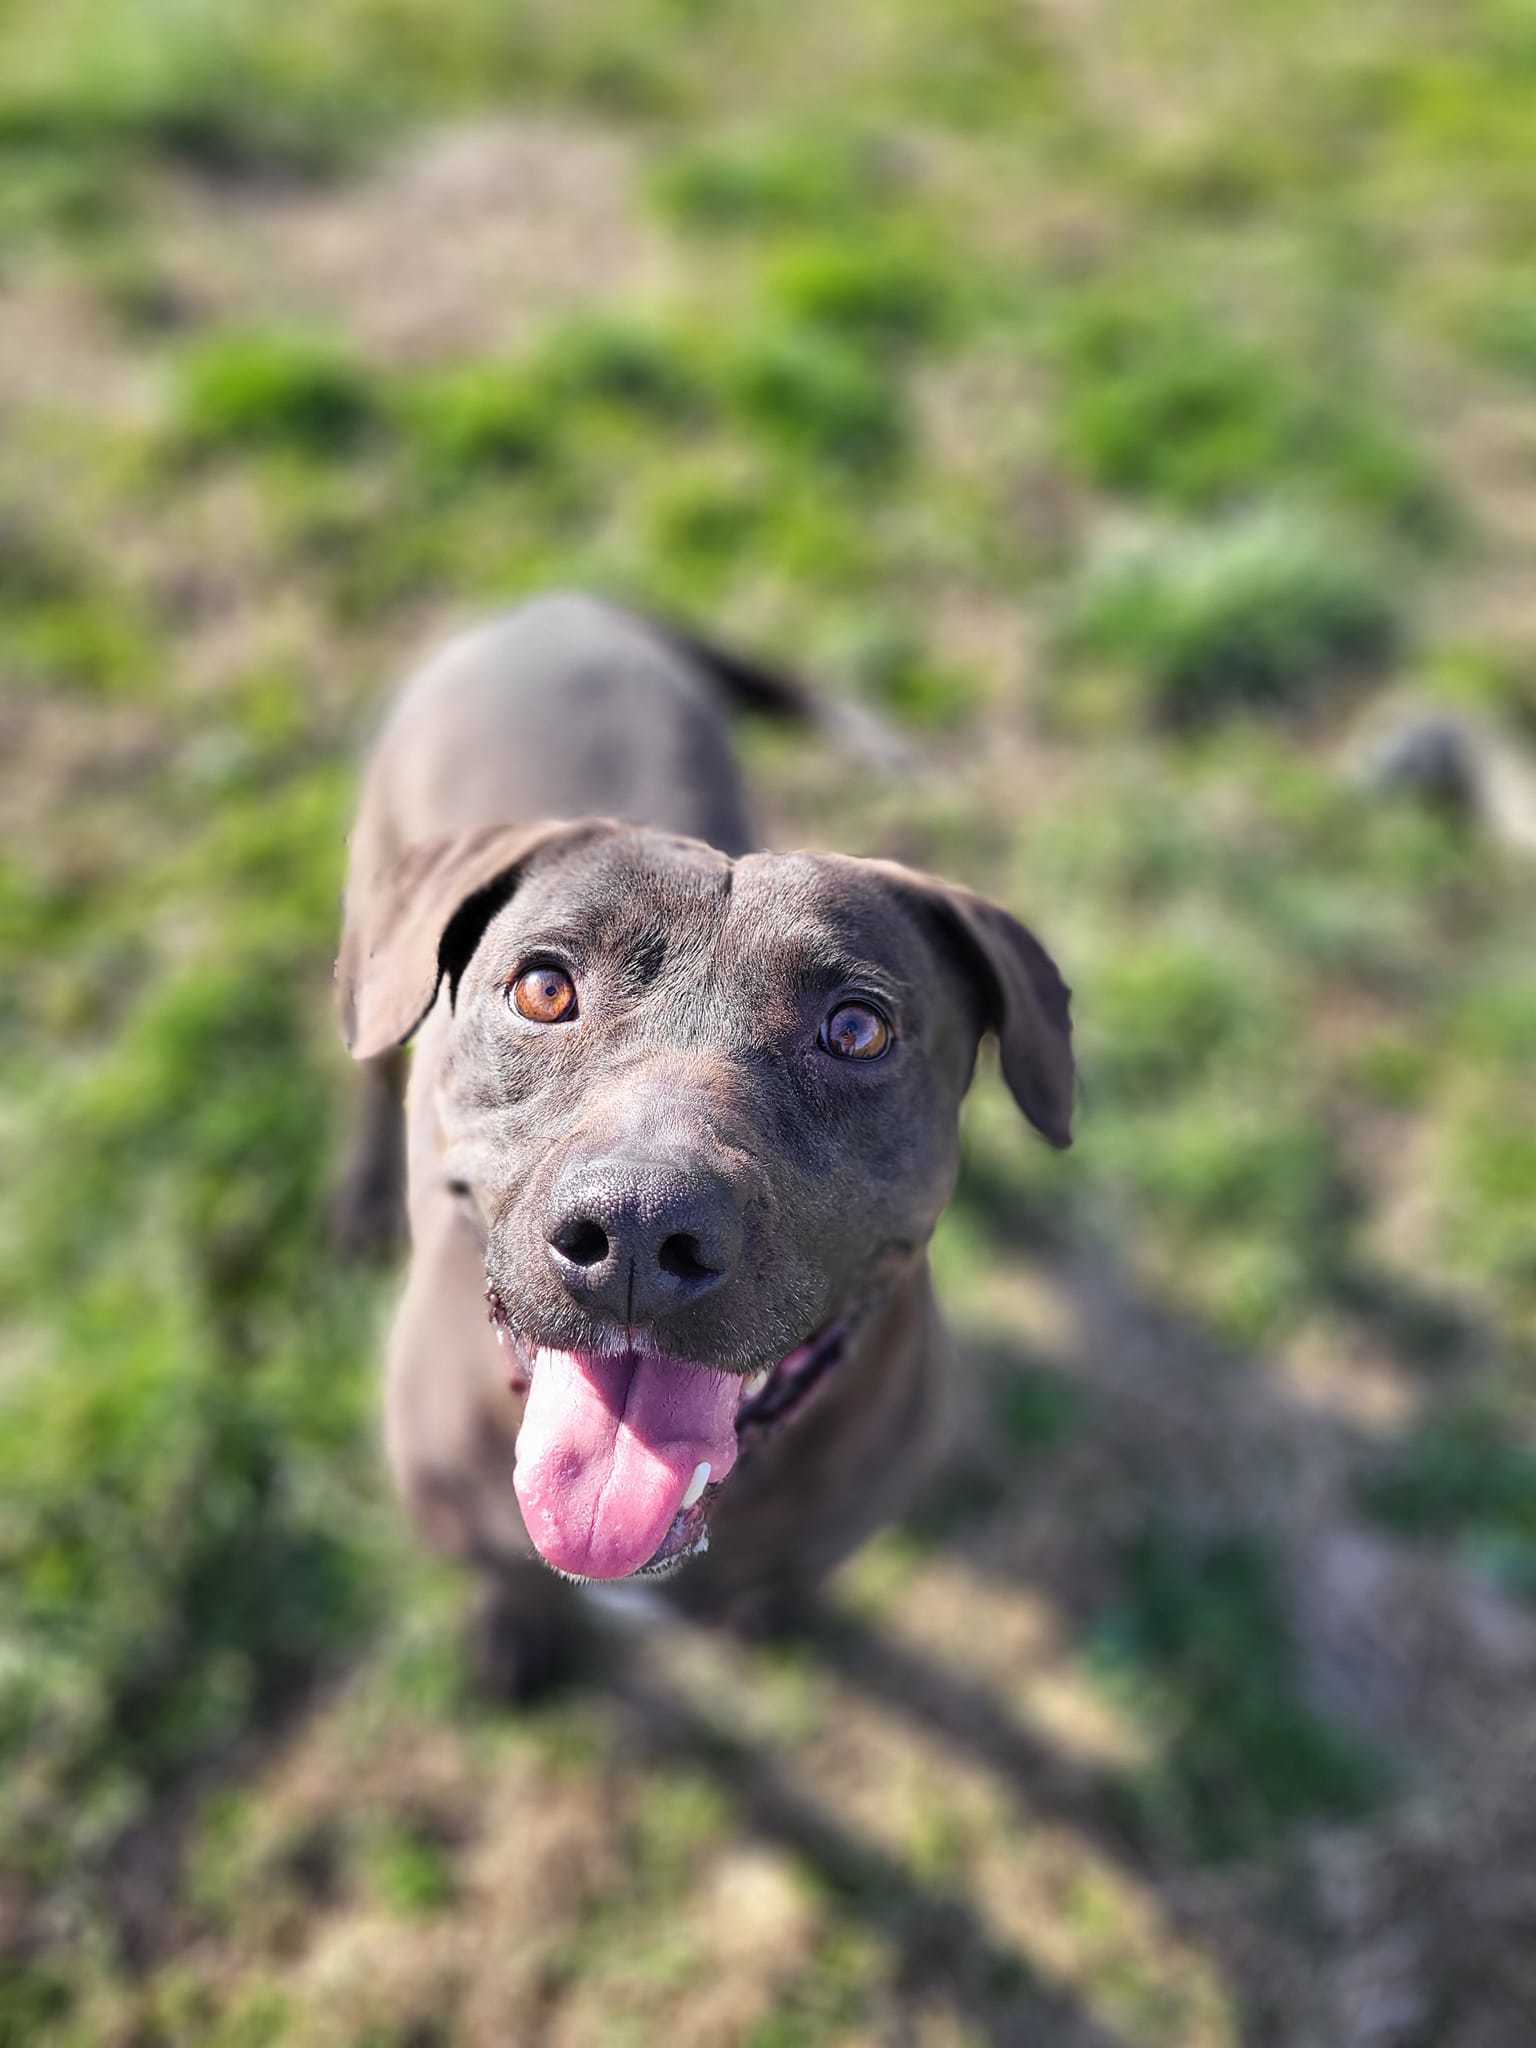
607,1450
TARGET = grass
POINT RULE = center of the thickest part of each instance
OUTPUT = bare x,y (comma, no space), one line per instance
254,391
488,419
1269,614
771,182
799,392
1164,407
1200,1645
197,1580
1161,403
1495,1182
63,623
624,365
1120,464
1165,1016
892,666
409,1868
1463,1478
882,297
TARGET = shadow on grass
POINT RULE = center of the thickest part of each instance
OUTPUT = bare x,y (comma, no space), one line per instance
1045,1783
1427,1329
142,1876
944,1946
1424,1328
1192,1516
1178,1599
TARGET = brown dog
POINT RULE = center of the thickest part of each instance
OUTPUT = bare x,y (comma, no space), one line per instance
685,1113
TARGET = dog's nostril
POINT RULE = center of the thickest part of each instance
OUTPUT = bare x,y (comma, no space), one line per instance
582,1241
681,1256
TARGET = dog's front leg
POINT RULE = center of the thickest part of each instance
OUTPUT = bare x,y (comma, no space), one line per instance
527,1632
368,1209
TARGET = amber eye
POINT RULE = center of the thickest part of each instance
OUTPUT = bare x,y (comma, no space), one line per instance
544,995
855,1031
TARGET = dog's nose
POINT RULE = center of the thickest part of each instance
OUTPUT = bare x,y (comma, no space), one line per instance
636,1239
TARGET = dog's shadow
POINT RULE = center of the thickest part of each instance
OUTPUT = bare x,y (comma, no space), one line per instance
944,1948
1191,1432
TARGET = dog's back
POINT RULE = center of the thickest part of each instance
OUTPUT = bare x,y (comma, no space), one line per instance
566,707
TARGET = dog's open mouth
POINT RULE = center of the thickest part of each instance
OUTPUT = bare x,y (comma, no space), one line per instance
621,1456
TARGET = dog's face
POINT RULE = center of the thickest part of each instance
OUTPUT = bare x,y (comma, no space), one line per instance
709,1103
701,1111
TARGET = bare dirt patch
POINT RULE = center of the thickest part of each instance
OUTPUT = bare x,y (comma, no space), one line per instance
463,244
58,352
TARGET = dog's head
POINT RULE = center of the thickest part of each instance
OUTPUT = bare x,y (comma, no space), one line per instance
700,1109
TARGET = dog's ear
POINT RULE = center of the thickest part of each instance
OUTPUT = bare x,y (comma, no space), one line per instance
1022,997
420,918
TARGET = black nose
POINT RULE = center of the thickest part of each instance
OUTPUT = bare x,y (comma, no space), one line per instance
636,1238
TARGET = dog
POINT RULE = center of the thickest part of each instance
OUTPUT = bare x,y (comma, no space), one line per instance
681,1118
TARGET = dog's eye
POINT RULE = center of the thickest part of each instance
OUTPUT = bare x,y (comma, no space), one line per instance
856,1031
544,995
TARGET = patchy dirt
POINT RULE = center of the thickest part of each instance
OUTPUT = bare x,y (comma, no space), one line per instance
462,245
59,354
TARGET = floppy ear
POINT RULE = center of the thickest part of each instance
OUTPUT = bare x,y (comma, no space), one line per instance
1024,1000
421,916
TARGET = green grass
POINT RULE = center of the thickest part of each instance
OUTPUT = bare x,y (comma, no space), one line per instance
1200,1651
51,195
891,665
1494,1187
488,419
770,182
1162,403
1167,408
65,621
198,1578
624,365
254,391
1164,1017
796,391
881,296
1271,614
1468,1477
410,1869
1505,329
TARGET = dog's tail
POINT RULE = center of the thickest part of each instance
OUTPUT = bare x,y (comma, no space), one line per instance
754,686
746,683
